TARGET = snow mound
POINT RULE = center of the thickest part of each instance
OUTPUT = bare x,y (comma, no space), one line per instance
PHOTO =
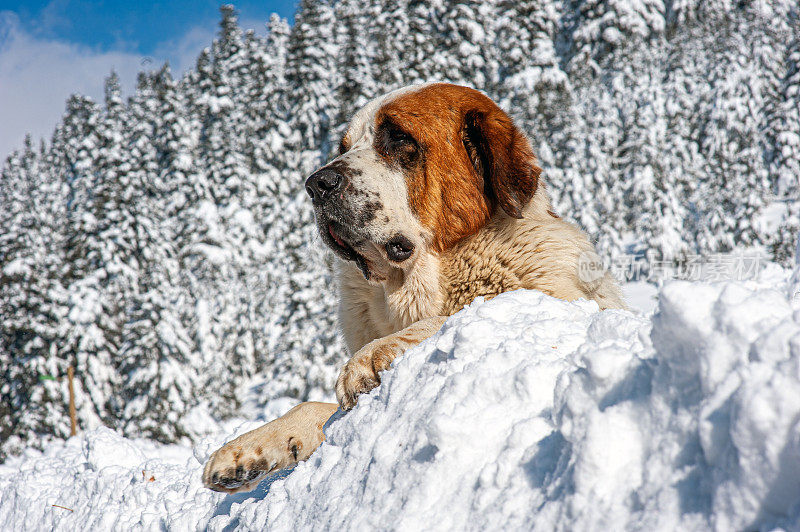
522,412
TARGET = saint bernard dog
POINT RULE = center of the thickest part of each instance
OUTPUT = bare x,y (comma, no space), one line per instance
435,199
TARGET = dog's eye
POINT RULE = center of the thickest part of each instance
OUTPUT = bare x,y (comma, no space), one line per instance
396,145
401,143
399,137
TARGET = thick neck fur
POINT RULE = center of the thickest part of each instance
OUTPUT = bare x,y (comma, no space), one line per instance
539,251
414,295
368,311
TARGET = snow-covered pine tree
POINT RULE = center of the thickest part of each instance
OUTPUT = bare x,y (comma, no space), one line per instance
97,272
224,236
732,139
662,219
124,155
175,139
467,43
267,131
421,59
265,113
244,234
525,39
29,329
357,83
221,142
160,380
599,27
785,126
601,40
592,198
304,346
311,82
686,85
785,157
207,254
391,35
651,163
640,175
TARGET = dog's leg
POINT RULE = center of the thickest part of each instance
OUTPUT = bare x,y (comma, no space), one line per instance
362,372
241,463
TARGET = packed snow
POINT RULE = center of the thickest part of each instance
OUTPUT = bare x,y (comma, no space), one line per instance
522,412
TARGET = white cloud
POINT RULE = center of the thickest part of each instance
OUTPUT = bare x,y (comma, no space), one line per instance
38,75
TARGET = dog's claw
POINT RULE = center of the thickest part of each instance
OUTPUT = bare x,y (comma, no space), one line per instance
361,374
242,463
230,479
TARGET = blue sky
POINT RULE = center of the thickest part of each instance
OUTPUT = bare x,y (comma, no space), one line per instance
49,50
137,26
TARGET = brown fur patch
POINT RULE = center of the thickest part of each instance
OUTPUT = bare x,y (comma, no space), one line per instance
475,160
261,464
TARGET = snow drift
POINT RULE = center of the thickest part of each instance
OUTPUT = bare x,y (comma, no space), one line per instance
522,412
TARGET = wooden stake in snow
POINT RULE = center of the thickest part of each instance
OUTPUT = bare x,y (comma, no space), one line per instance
73,418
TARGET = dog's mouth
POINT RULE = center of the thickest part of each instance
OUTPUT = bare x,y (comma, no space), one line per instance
337,239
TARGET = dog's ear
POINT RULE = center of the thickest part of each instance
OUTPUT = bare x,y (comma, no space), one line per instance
502,157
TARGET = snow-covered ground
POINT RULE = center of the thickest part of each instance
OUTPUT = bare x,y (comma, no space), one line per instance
523,412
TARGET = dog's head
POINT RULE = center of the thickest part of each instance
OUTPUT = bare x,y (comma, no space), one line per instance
420,169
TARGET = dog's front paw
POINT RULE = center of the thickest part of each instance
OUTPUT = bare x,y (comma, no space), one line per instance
362,372
240,464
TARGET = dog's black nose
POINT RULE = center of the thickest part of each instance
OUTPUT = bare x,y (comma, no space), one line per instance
323,184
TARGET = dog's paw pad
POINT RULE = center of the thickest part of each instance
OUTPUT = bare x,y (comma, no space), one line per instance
233,469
